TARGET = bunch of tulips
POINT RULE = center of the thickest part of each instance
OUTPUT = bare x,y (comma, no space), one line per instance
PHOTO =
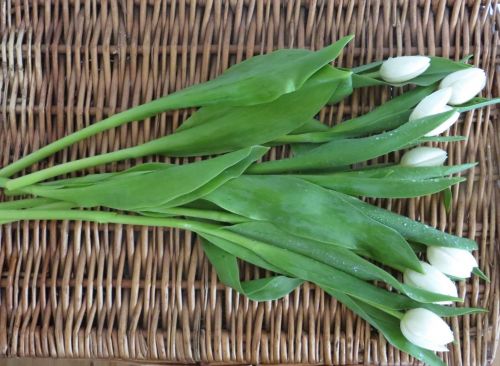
300,218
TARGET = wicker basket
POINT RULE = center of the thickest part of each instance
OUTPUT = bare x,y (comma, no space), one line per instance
81,290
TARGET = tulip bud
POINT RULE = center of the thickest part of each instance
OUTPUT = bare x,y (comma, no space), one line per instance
446,124
431,280
425,329
432,104
403,68
465,84
451,261
424,156
435,103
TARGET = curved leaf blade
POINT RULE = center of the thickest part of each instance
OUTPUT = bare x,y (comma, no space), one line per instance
144,189
340,152
413,230
263,289
307,210
381,187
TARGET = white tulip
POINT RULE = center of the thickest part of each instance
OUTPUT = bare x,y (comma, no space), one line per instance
432,104
451,261
465,84
446,124
425,329
431,280
424,156
403,68
435,103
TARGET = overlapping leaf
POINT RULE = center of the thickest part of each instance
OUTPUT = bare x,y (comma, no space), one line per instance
282,72
263,289
141,189
234,128
307,210
390,181
341,152
412,230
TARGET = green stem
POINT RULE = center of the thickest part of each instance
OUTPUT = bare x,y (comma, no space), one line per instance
373,74
106,218
204,214
26,203
173,101
71,166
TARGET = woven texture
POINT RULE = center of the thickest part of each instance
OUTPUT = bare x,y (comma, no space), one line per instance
75,289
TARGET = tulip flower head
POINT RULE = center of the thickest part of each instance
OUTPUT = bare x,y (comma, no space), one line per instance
431,280
435,103
465,84
424,156
451,261
403,68
425,329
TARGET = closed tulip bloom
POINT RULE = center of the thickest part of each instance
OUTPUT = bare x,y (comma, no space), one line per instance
424,156
403,68
451,261
431,280
465,84
446,124
435,103
425,329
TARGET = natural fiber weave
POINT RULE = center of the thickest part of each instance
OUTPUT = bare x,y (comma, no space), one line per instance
75,289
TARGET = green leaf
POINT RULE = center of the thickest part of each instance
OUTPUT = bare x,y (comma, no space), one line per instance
292,264
296,265
241,251
389,115
139,190
475,103
299,149
425,139
343,90
312,125
381,187
90,179
349,151
307,210
396,110
406,172
305,268
368,67
236,127
342,259
447,199
412,230
477,271
263,289
281,72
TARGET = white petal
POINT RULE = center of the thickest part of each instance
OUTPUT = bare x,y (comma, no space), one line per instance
432,104
446,124
465,84
454,262
403,68
424,156
431,280
425,329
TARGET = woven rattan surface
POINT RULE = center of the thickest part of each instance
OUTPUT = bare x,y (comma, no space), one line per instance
75,289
